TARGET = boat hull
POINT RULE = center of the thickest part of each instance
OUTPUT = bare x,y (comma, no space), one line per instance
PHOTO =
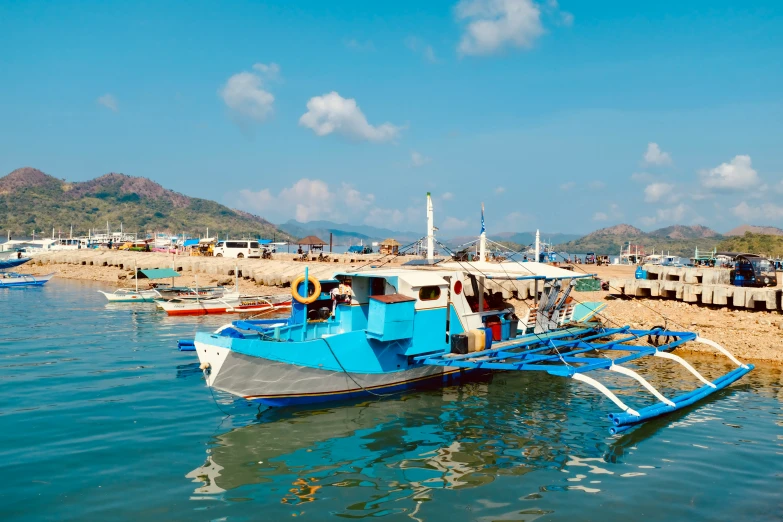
217,307
130,297
277,383
25,280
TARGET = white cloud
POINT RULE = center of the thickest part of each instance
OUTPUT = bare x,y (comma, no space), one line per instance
597,184
452,223
244,92
516,220
358,45
779,187
563,18
332,113
418,159
642,177
418,46
309,199
500,190
108,101
767,211
270,71
600,216
494,24
655,191
738,174
672,215
568,185
447,196
655,156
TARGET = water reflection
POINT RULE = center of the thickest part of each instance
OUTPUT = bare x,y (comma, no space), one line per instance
455,438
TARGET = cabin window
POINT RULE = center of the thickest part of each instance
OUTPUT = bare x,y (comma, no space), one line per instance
429,293
254,244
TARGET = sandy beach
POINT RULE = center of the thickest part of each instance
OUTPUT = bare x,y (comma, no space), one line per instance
750,335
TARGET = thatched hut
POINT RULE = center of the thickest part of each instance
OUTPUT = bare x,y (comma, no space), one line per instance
311,242
389,246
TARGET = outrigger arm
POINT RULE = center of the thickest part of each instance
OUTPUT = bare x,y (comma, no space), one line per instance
572,352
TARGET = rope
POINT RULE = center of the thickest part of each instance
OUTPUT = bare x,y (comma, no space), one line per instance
379,395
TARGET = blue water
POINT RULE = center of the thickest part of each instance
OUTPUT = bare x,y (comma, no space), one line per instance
102,419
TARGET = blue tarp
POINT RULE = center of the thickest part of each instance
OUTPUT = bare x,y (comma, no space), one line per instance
190,242
264,241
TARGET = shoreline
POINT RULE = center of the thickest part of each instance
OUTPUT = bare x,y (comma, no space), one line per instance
749,335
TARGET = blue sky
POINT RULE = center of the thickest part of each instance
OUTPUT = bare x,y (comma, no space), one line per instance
564,116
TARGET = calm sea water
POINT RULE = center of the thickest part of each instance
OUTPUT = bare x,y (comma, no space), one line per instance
101,418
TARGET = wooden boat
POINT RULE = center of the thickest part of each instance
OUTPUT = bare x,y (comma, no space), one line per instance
9,279
228,303
376,332
127,295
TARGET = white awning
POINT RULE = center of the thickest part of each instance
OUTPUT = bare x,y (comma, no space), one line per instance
512,270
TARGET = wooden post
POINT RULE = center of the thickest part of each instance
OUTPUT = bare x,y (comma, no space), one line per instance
330,242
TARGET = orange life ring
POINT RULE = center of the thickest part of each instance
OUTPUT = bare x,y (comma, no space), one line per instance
306,300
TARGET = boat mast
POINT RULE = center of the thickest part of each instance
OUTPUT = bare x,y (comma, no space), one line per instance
538,246
430,229
483,242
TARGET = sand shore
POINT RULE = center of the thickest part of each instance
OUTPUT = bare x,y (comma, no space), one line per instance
750,335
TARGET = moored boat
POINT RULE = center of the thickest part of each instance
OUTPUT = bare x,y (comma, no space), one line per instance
374,333
9,279
228,303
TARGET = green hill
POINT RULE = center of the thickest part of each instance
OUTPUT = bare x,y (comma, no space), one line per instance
31,200
679,240
764,244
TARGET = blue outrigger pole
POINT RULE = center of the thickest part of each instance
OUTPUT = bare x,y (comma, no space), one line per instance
574,352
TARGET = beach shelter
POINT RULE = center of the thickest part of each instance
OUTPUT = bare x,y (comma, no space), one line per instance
389,246
312,242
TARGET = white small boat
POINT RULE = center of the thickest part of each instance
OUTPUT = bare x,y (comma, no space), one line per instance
226,304
8,279
128,295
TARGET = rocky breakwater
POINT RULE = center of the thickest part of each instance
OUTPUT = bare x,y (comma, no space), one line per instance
279,271
706,286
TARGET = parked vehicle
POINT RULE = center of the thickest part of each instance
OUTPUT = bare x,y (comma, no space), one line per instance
753,270
237,248
590,258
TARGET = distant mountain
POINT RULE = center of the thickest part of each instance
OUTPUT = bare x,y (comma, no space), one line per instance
685,232
754,229
517,240
31,200
345,234
679,240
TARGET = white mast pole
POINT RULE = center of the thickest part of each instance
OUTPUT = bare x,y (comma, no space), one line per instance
538,245
483,242
430,229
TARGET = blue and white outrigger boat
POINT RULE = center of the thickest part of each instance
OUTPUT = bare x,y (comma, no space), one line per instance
13,279
372,333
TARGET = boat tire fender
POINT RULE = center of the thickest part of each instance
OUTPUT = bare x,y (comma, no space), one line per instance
309,299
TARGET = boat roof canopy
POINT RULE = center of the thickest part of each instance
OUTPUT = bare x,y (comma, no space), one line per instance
513,270
157,273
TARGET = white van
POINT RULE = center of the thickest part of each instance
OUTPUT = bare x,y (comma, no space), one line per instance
237,248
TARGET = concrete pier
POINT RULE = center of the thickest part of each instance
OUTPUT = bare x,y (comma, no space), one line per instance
707,286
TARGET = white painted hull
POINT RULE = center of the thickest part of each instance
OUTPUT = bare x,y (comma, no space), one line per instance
130,296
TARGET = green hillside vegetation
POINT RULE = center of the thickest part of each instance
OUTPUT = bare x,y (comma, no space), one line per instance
609,241
31,200
767,245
